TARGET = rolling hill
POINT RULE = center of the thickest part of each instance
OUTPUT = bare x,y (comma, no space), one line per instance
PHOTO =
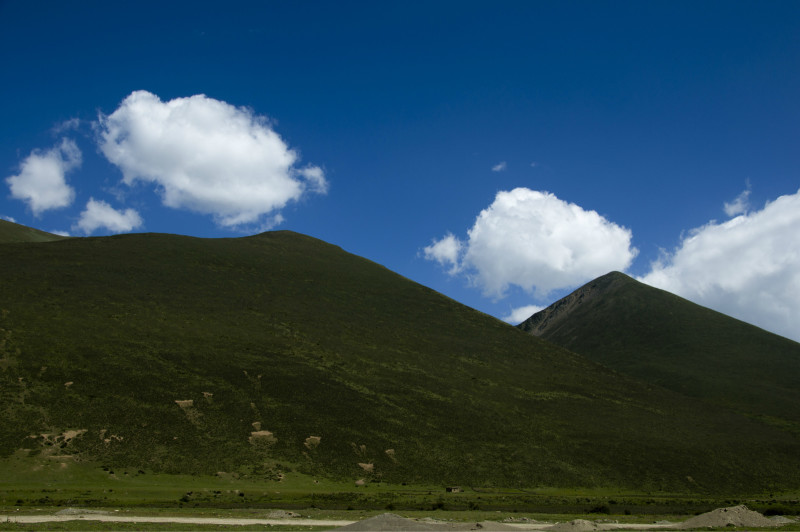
14,232
253,355
666,340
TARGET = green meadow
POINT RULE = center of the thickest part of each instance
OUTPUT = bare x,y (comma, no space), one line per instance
151,371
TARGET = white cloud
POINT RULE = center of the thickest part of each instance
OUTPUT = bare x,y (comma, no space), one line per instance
206,156
536,241
270,222
499,167
445,251
66,125
316,179
520,314
8,218
42,182
740,205
99,214
747,267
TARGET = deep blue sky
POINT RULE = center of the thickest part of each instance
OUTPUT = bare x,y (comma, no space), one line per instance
652,114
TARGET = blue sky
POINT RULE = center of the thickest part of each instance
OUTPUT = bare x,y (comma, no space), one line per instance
501,153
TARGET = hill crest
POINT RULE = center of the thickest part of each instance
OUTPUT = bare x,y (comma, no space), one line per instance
550,318
656,336
11,232
250,355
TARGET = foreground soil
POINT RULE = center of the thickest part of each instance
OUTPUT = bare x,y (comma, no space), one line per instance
736,516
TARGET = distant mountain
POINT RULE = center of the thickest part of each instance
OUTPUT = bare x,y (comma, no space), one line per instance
254,355
666,340
14,232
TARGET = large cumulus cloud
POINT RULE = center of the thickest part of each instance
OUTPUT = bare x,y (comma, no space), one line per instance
536,241
206,156
747,267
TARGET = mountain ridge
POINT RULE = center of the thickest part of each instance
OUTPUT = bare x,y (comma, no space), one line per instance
664,339
549,318
257,354
13,232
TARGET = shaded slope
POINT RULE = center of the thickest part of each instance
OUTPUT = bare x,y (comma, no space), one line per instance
181,354
664,339
13,232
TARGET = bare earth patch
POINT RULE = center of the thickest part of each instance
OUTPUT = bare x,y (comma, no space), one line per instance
262,437
740,516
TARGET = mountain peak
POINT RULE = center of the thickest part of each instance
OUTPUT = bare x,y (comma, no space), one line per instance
550,318
653,335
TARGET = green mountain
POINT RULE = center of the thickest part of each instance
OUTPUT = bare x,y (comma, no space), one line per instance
666,340
13,232
251,355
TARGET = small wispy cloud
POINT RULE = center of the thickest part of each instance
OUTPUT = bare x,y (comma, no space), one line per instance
446,251
740,205
499,167
66,125
520,314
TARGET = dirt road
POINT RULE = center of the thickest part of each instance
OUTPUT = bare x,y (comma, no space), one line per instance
111,518
116,518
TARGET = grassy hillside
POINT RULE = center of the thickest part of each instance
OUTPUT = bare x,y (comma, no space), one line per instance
274,352
13,232
664,339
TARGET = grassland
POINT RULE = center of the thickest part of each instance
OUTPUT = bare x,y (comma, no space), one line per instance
50,489
259,358
12,232
92,486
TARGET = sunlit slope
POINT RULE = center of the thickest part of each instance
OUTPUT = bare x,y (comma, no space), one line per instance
13,232
254,354
664,339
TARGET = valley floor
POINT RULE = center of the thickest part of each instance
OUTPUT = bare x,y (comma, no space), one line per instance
227,521
79,519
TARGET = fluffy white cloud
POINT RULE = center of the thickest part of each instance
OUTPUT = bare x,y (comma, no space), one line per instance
747,267
520,314
499,167
536,241
99,214
316,179
206,156
446,251
42,182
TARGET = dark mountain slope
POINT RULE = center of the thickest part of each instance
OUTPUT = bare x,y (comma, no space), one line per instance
180,354
664,339
13,232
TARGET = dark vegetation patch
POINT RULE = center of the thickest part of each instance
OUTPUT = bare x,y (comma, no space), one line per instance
167,354
663,339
